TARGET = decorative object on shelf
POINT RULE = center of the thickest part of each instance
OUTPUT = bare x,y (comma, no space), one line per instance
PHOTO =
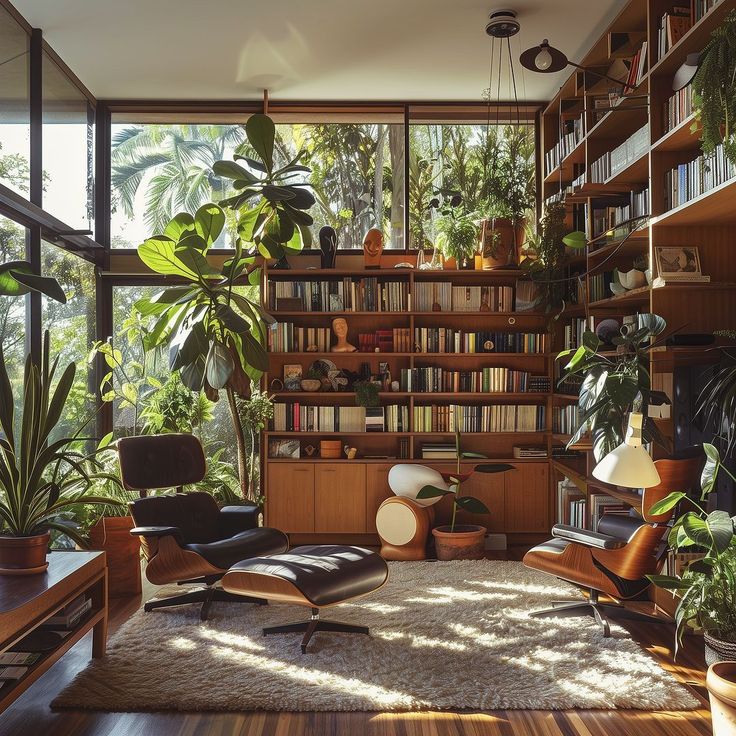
311,385
496,240
330,449
292,377
338,379
42,482
340,328
614,385
624,281
309,450
276,385
608,329
404,264
406,480
207,325
366,393
350,452
706,586
372,248
285,448
461,541
327,246
714,90
678,263
721,684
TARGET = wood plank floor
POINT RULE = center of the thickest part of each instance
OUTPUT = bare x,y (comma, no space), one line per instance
31,714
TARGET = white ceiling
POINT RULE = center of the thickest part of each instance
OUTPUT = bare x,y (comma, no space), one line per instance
305,49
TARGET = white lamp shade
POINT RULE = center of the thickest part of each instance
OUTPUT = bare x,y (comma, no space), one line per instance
628,466
407,480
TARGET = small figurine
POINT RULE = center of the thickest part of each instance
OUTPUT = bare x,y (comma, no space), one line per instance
372,248
327,246
340,328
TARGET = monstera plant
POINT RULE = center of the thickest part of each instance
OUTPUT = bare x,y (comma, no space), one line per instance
216,335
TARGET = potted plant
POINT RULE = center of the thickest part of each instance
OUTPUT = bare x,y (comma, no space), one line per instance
613,385
714,90
455,541
255,412
43,477
216,335
497,235
458,239
366,393
707,587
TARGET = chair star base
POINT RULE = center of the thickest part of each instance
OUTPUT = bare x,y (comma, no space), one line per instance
315,623
205,596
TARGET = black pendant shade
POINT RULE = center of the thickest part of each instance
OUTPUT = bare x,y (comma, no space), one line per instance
558,61
685,74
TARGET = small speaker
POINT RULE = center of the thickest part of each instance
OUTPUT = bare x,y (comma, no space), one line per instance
403,526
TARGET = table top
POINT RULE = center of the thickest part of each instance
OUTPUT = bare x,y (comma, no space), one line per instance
19,590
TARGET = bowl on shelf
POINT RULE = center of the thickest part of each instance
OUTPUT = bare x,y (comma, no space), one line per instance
311,384
330,449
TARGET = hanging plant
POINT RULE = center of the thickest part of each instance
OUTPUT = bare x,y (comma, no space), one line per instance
714,90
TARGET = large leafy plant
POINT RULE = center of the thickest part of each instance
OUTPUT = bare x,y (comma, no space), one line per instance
615,384
716,403
42,477
707,587
17,278
714,90
214,333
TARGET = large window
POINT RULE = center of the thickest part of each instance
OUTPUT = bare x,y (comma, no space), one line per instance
491,167
72,330
357,175
15,117
68,148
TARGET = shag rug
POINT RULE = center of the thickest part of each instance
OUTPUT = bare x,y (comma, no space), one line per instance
444,635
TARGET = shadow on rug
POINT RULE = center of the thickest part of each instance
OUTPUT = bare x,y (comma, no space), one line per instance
445,635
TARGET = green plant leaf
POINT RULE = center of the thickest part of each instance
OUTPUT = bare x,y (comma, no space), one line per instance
668,582
209,221
474,455
231,170
9,286
709,475
47,285
160,255
178,225
577,358
219,365
472,505
194,260
714,532
431,491
667,503
261,133
493,468
575,239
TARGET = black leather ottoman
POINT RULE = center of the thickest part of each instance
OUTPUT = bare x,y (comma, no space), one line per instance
316,576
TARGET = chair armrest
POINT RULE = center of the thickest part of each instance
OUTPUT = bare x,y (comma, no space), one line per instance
235,519
587,538
158,532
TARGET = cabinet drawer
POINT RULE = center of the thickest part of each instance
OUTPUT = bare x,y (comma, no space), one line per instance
290,497
339,498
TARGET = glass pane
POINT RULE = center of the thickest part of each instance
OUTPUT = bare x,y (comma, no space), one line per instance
13,309
72,330
357,175
68,149
492,168
15,104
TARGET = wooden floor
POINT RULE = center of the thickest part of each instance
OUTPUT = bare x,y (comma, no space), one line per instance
31,714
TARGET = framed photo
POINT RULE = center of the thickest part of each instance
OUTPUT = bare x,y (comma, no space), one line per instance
336,304
284,448
677,261
292,377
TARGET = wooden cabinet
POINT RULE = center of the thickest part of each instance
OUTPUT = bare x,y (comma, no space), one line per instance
527,498
290,497
376,492
339,498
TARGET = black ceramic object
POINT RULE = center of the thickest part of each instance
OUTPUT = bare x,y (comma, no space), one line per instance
328,246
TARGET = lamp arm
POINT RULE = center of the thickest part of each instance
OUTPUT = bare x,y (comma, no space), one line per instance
599,74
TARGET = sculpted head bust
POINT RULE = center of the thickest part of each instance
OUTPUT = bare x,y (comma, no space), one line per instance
373,247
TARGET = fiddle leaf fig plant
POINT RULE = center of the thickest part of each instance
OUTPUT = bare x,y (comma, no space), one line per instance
216,335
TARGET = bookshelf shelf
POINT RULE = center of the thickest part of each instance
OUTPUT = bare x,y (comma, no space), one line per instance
680,138
636,172
713,206
633,297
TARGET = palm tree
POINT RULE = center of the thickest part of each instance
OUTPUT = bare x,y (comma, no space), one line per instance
174,163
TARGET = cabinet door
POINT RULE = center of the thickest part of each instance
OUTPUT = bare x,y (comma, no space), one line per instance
376,492
527,498
339,498
290,497
487,487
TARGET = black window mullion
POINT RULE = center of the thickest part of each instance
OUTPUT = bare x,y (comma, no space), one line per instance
33,301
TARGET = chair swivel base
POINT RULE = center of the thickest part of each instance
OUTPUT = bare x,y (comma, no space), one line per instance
599,611
205,596
315,623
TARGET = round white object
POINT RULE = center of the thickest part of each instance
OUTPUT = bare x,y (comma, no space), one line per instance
407,480
396,524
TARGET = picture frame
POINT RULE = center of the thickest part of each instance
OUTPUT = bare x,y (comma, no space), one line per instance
292,377
290,449
336,304
677,261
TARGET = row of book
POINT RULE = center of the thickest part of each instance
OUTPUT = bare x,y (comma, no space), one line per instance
367,294
296,417
616,160
446,340
690,180
565,419
486,418
286,337
673,25
575,329
395,340
487,380
443,296
679,107
637,67
609,217
577,509
701,7
573,132
599,286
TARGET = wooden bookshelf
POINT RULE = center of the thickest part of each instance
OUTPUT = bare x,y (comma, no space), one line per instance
307,496
705,221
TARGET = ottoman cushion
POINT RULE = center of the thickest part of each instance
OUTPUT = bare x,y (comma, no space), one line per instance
324,574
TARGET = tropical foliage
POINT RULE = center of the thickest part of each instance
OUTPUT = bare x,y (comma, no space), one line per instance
707,587
614,384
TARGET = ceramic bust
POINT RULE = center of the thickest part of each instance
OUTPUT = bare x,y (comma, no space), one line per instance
372,248
340,328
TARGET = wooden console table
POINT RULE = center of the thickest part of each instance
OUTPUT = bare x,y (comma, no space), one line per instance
26,602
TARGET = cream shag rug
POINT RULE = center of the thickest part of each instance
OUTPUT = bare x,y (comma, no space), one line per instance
445,635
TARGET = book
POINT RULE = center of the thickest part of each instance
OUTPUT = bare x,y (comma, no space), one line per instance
521,452
70,615
660,282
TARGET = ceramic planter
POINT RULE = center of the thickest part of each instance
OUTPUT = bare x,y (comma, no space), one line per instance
24,555
632,279
496,239
721,684
112,534
467,542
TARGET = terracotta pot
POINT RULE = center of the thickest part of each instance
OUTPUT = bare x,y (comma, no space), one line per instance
721,684
449,264
123,552
23,555
467,542
505,229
